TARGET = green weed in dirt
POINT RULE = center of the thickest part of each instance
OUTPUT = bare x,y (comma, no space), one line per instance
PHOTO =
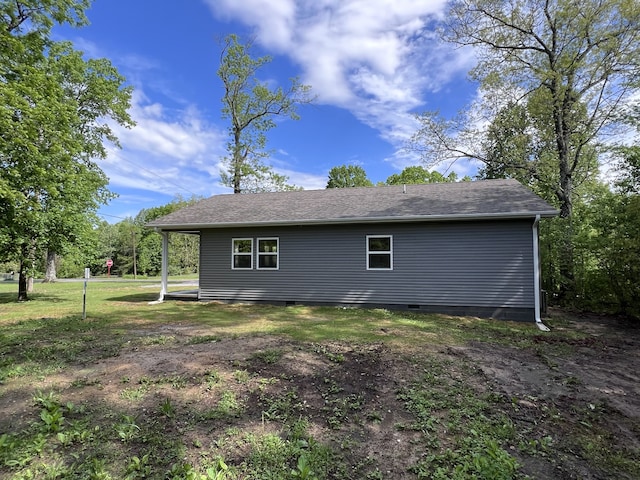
464,433
269,356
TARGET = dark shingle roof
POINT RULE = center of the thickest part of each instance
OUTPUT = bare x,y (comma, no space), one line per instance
436,201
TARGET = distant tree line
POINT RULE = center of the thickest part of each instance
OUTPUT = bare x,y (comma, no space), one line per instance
133,248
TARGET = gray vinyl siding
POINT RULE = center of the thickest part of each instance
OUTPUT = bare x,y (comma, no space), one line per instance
483,264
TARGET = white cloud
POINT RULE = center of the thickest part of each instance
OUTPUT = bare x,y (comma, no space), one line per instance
281,15
307,181
373,58
376,58
181,136
174,152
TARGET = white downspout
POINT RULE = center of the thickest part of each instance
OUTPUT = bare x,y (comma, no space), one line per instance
165,267
536,276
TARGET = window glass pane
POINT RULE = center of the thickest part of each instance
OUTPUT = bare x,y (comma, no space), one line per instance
268,261
242,246
242,261
380,244
268,245
379,260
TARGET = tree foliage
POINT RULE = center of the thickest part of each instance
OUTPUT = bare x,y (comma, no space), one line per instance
184,248
117,241
607,242
251,106
345,176
54,112
628,168
417,174
613,253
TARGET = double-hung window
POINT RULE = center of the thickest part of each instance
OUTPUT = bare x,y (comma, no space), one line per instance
268,253
242,254
379,252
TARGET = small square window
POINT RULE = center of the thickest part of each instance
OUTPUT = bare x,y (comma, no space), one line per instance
268,253
242,254
379,252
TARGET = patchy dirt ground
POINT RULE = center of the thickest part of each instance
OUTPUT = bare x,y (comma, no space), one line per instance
556,391
588,386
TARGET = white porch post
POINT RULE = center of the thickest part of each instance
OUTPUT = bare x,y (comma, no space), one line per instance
165,265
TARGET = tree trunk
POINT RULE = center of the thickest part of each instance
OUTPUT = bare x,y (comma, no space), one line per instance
238,159
50,274
565,262
562,108
25,284
22,284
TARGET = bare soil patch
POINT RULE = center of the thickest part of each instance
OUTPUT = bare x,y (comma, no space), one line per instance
556,390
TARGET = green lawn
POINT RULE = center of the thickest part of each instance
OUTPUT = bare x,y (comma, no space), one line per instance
110,303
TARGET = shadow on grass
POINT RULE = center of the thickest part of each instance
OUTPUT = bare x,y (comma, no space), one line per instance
44,345
9,297
12,297
135,298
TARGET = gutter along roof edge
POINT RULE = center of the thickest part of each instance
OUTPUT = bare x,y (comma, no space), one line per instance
358,220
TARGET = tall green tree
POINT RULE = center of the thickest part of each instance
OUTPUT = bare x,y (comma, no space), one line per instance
96,89
520,144
579,61
251,105
344,176
54,113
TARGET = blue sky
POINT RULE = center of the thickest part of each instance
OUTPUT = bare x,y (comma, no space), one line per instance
371,63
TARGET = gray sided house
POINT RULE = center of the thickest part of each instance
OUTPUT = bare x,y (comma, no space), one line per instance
467,248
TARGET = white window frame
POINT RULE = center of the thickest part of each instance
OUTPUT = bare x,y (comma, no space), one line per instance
259,253
234,254
378,252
